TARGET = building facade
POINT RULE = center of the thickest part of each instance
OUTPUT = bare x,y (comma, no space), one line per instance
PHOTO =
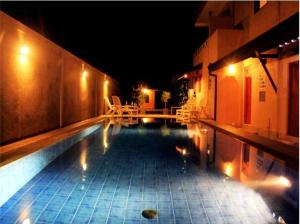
248,77
250,66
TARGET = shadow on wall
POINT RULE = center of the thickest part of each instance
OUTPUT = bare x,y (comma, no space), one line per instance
43,86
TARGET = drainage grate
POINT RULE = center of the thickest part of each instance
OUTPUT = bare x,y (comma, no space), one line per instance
149,213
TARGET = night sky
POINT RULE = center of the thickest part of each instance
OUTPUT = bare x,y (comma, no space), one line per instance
134,42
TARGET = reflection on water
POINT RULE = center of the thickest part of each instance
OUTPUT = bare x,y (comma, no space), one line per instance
211,149
129,165
251,166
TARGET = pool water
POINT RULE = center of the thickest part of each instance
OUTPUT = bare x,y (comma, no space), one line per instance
124,168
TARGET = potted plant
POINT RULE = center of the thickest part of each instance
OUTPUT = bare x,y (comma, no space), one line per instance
165,96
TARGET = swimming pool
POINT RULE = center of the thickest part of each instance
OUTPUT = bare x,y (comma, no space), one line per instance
182,172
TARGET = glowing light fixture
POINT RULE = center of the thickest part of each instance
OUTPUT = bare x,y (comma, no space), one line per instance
106,82
145,90
23,53
228,169
185,76
293,41
231,69
286,43
280,45
24,50
84,74
284,181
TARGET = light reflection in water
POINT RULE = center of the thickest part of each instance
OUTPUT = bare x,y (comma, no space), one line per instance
105,138
254,168
26,221
83,160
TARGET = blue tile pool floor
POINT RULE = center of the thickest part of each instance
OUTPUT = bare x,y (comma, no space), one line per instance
138,170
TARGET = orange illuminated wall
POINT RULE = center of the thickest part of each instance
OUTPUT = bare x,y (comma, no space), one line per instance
43,86
149,99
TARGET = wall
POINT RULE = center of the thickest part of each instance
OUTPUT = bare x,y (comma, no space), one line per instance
224,41
268,117
282,106
44,88
151,103
273,13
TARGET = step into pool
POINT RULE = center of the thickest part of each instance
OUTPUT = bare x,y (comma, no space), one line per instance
157,171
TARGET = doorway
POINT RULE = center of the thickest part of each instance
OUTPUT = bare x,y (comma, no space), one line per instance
293,100
247,100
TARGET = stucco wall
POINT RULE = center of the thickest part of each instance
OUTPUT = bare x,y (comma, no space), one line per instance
268,117
151,103
45,89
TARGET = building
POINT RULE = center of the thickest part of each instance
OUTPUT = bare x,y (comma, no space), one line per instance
248,77
250,66
149,99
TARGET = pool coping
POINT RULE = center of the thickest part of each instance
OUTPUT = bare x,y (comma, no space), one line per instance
16,150
21,148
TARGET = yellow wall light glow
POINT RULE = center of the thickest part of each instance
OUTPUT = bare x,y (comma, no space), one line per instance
84,74
231,69
105,89
23,53
228,169
22,59
24,50
145,90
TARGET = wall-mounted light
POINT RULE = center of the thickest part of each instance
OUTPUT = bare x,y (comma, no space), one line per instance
106,82
231,69
84,74
23,53
145,90
228,169
24,50
185,76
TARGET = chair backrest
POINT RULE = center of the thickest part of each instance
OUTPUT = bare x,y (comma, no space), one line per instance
116,101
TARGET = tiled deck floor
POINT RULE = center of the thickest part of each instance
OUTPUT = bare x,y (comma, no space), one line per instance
140,170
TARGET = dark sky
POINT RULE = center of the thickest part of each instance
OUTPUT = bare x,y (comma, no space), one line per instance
134,42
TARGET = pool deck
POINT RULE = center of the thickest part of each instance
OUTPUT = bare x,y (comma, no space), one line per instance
16,150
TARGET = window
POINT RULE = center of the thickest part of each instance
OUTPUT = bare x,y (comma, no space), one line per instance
258,4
